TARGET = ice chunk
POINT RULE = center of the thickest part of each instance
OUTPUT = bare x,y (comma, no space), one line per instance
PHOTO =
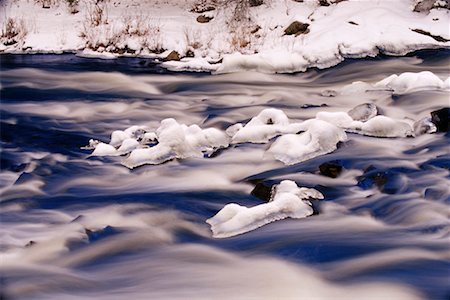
411,82
363,112
288,201
319,138
267,124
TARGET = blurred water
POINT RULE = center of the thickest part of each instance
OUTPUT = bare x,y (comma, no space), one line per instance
74,226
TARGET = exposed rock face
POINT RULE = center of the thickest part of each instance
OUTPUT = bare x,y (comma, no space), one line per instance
441,119
297,28
174,55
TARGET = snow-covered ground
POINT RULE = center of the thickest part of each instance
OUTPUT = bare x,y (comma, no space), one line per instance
254,39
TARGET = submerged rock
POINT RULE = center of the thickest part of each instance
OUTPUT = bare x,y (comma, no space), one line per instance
330,169
363,112
441,119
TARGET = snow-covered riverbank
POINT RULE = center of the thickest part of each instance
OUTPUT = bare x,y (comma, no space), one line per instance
276,36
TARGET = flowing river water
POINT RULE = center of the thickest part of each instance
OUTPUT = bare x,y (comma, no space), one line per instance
81,227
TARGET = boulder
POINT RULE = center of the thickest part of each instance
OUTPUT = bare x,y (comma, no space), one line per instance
174,55
441,118
297,28
330,169
204,19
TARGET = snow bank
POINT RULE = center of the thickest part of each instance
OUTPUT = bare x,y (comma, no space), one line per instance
288,201
348,29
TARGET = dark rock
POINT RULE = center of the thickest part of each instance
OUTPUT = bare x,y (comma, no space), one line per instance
387,181
330,169
256,29
254,3
174,55
29,244
424,6
353,23
441,118
97,235
204,19
202,8
263,190
324,3
306,106
435,37
297,28
190,53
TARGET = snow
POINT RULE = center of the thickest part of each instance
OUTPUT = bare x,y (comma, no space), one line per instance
348,29
178,141
288,201
409,82
267,124
319,138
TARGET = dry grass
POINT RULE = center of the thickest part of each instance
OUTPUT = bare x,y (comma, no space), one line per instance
13,31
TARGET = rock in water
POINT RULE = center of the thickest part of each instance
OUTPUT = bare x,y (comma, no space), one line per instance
330,169
263,190
440,118
363,112
424,126
288,201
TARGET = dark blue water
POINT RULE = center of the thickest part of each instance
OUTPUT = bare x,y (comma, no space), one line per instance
99,230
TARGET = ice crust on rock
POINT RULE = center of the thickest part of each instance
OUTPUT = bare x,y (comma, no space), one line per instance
319,137
411,82
178,141
376,126
407,82
288,201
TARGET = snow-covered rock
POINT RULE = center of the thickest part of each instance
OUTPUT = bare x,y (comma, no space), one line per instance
288,201
319,138
410,82
267,124
178,141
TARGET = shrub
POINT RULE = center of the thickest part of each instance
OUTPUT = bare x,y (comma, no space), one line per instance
13,31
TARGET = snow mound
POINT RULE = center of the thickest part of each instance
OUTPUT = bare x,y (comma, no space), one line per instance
288,201
267,124
410,82
319,138
376,126
178,141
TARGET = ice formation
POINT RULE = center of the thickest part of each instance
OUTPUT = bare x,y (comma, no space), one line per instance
288,201
319,137
407,82
267,124
378,126
178,141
